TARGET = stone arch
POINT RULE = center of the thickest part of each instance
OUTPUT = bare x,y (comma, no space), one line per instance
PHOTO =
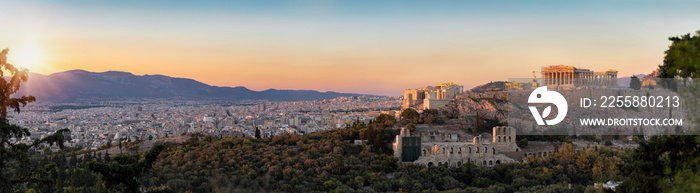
498,161
544,154
477,150
443,151
425,152
460,151
539,154
509,139
499,138
459,163
484,162
470,149
439,163
517,149
430,164
493,150
486,150
490,162
452,150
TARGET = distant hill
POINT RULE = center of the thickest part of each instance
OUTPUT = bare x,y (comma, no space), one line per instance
495,86
625,81
77,85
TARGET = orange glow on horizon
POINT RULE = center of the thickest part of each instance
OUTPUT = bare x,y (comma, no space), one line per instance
382,51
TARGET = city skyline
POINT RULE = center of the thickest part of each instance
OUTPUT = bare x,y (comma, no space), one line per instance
344,46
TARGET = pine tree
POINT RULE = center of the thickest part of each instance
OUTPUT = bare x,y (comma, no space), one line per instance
126,169
635,83
17,153
73,160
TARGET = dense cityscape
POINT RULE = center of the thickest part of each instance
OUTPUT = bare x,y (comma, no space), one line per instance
95,124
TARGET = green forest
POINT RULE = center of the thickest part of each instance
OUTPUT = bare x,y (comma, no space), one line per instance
327,161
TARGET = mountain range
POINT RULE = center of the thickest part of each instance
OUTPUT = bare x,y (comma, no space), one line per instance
76,85
625,81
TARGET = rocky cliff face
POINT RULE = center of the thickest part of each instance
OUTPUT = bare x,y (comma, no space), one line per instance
486,104
479,111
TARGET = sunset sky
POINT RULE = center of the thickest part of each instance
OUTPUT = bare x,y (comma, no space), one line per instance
368,47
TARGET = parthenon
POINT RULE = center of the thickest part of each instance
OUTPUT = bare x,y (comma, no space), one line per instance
569,76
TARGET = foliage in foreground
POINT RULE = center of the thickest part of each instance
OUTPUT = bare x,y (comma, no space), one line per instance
326,161
13,152
664,163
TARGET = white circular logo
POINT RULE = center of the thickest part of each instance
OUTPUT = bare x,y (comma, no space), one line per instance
542,95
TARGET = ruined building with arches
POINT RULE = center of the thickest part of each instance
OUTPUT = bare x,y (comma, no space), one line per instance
453,149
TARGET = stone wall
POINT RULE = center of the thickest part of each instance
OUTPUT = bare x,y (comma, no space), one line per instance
500,148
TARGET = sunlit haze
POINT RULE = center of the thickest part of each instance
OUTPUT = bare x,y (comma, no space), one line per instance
28,56
362,47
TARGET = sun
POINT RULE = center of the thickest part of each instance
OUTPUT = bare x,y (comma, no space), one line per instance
28,56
